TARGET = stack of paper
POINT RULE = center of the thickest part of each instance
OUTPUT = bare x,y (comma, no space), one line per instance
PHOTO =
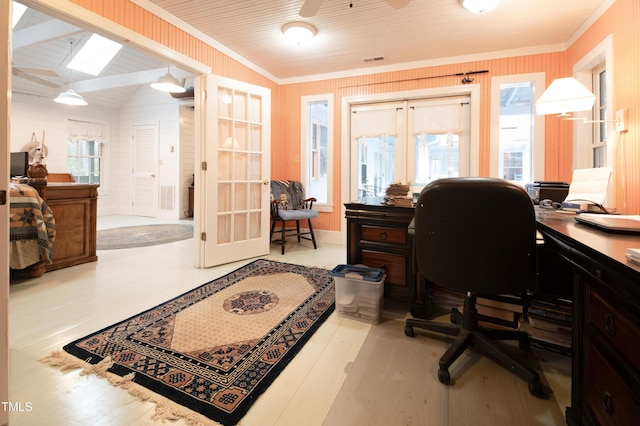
397,194
633,254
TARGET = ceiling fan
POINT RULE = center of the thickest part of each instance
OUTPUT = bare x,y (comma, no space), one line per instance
310,7
28,74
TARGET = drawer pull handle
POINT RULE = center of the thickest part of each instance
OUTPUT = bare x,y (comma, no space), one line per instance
607,403
383,236
609,324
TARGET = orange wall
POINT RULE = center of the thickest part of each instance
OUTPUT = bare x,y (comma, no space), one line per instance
285,137
558,157
621,20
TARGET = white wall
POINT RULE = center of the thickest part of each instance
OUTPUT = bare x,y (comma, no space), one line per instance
151,107
187,153
31,114
147,106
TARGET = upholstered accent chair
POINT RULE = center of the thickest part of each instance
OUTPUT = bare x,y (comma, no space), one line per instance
289,204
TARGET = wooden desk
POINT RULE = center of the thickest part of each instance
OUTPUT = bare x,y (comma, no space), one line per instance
605,370
378,236
74,208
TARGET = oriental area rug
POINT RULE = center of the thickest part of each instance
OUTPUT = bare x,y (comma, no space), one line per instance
214,349
142,236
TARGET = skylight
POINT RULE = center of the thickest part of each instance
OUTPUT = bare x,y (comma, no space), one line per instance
94,55
18,11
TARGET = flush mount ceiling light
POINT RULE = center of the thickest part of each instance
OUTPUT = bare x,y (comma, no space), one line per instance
168,83
299,32
479,6
565,95
70,97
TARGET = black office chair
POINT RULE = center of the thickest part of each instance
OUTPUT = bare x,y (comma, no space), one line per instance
477,235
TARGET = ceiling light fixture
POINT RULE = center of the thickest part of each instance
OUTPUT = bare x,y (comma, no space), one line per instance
299,32
479,6
168,83
70,97
565,95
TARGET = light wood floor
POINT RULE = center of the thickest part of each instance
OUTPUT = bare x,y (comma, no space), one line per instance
349,373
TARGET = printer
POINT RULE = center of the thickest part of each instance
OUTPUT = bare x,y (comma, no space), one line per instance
554,191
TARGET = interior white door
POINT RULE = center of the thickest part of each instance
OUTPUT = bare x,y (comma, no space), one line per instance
145,170
235,183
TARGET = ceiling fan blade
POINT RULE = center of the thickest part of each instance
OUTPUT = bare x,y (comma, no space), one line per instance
38,71
397,4
36,79
310,8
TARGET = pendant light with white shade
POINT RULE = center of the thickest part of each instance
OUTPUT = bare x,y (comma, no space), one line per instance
168,83
70,97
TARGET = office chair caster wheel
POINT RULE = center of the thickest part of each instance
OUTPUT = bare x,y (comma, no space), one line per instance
444,376
455,316
408,331
535,389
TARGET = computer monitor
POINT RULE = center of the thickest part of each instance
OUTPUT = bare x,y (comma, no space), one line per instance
19,163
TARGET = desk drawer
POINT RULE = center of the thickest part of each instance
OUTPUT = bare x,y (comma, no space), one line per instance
615,326
378,234
608,396
395,266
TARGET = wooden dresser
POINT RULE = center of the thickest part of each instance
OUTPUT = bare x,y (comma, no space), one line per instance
378,237
74,207
605,376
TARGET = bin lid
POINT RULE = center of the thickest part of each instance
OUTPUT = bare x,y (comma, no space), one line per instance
358,272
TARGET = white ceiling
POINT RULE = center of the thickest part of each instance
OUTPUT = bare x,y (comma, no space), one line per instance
421,33
352,30
41,45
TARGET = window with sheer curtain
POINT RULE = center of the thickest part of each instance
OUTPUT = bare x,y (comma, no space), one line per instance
411,141
84,150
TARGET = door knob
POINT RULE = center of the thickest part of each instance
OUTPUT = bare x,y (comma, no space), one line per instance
153,175
265,182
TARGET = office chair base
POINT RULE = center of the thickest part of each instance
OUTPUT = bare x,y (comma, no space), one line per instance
481,339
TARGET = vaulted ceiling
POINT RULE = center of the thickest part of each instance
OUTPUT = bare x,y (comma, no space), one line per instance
349,33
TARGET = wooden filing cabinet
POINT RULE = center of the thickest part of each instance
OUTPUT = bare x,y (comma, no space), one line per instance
378,237
605,370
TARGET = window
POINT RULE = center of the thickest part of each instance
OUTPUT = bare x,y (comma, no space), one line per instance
94,55
316,147
515,127
600,130
594,143
84,151
83,160
411,141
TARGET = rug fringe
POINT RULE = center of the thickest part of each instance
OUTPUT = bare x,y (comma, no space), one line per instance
165,409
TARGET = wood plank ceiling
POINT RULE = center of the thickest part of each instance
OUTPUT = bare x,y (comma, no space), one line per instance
349,31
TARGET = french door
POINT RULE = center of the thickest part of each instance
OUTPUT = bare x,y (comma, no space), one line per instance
408,141
235,190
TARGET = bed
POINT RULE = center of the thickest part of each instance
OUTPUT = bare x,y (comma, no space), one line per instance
32,228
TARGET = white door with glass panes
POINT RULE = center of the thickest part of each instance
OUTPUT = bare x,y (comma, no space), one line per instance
145,170
236,189
411,142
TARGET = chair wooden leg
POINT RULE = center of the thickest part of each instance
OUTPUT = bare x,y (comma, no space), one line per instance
313,238
283,236
273,227
298,229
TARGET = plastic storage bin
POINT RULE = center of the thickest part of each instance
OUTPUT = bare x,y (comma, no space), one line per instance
359,292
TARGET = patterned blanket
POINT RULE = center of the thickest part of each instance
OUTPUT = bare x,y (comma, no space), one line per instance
290,191
32,227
